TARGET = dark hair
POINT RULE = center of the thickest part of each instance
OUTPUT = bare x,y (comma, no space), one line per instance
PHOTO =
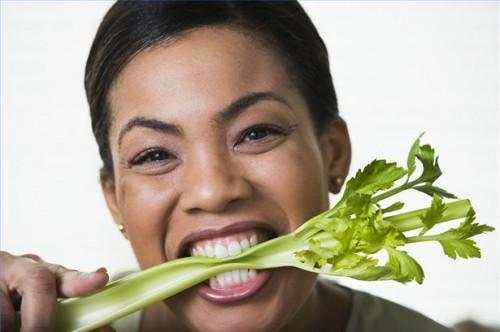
132,26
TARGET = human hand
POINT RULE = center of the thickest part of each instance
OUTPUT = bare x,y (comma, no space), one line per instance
473,326
31,286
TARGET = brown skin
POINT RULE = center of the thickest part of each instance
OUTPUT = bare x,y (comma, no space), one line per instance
473,326
215,174
212,172
39,284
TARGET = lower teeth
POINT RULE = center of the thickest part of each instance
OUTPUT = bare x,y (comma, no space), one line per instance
232,278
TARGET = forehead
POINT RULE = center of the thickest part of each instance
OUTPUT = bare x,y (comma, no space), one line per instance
201,71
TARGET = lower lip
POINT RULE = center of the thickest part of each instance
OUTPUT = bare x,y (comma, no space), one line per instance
235,294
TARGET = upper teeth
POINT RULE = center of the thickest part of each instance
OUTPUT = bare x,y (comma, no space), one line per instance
232,245
223,247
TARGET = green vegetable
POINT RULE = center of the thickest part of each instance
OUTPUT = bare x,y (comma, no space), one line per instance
342,241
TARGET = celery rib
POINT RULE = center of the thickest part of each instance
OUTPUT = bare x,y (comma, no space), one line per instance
342,242
412,220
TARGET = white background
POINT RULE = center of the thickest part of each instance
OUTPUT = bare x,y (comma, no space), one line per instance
399,68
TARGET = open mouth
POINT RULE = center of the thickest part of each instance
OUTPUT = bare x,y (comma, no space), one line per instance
233,285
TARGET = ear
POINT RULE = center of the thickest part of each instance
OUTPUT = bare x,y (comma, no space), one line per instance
109,191
336,149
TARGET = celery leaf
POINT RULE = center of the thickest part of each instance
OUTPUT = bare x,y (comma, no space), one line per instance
456,242
377,175
410,162
393,207
464,248
431,190
403,266
430,164
433,215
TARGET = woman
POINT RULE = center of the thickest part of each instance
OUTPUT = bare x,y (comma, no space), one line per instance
217,125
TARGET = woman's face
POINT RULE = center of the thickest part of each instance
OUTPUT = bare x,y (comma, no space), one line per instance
214,150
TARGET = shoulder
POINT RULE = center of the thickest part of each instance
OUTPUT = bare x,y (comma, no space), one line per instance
374,314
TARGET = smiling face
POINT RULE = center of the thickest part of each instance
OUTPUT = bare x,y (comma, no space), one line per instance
214,150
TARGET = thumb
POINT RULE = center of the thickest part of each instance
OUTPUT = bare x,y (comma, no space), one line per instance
72,283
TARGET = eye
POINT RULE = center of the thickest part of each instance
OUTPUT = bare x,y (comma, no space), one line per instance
261,138
154,155
260,133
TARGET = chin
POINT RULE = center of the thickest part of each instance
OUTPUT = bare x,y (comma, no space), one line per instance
268,308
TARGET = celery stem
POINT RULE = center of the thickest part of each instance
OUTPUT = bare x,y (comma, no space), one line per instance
142,289
389,193
415,239
411,220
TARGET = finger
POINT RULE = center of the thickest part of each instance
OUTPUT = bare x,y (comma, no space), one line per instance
34,257
7,313
72,283
37,288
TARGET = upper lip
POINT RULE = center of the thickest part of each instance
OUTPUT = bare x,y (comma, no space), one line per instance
222,231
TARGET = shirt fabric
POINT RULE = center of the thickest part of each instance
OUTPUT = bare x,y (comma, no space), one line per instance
369,313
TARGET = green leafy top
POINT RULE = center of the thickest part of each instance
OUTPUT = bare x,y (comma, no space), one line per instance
345,238
343,241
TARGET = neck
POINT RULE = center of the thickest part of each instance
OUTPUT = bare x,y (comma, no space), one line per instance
327,309
158,317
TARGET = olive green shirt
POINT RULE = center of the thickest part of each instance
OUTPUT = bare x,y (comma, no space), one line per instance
374,314
368,314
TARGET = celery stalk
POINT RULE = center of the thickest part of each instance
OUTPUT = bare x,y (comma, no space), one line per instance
339,242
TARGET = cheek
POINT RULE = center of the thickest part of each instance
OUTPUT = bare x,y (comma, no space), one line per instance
294,177
145,205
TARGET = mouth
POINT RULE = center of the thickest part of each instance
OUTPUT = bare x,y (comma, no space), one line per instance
236,285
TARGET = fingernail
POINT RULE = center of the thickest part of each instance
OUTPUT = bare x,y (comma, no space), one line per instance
86,275
101,270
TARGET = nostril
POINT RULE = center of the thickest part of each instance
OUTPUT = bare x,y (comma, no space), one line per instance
214,207
215,194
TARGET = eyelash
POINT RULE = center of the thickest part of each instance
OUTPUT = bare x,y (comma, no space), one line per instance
269,129
157,154
147,156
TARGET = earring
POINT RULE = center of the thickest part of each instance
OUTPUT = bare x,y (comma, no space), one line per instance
335,184
121,228
337,181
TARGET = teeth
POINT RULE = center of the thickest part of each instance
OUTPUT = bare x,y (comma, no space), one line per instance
228,278
214,283
232,245
221,280
234,248
236,276
253,240
209,251
244,244
232,278
223,247
244,275
220,251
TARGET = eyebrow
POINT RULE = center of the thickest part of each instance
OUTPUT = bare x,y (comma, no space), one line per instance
157,125
241,104
232,110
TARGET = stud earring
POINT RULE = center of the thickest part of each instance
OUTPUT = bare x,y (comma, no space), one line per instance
337,181
121,228
336,184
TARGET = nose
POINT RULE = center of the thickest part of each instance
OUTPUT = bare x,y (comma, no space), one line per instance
212,182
